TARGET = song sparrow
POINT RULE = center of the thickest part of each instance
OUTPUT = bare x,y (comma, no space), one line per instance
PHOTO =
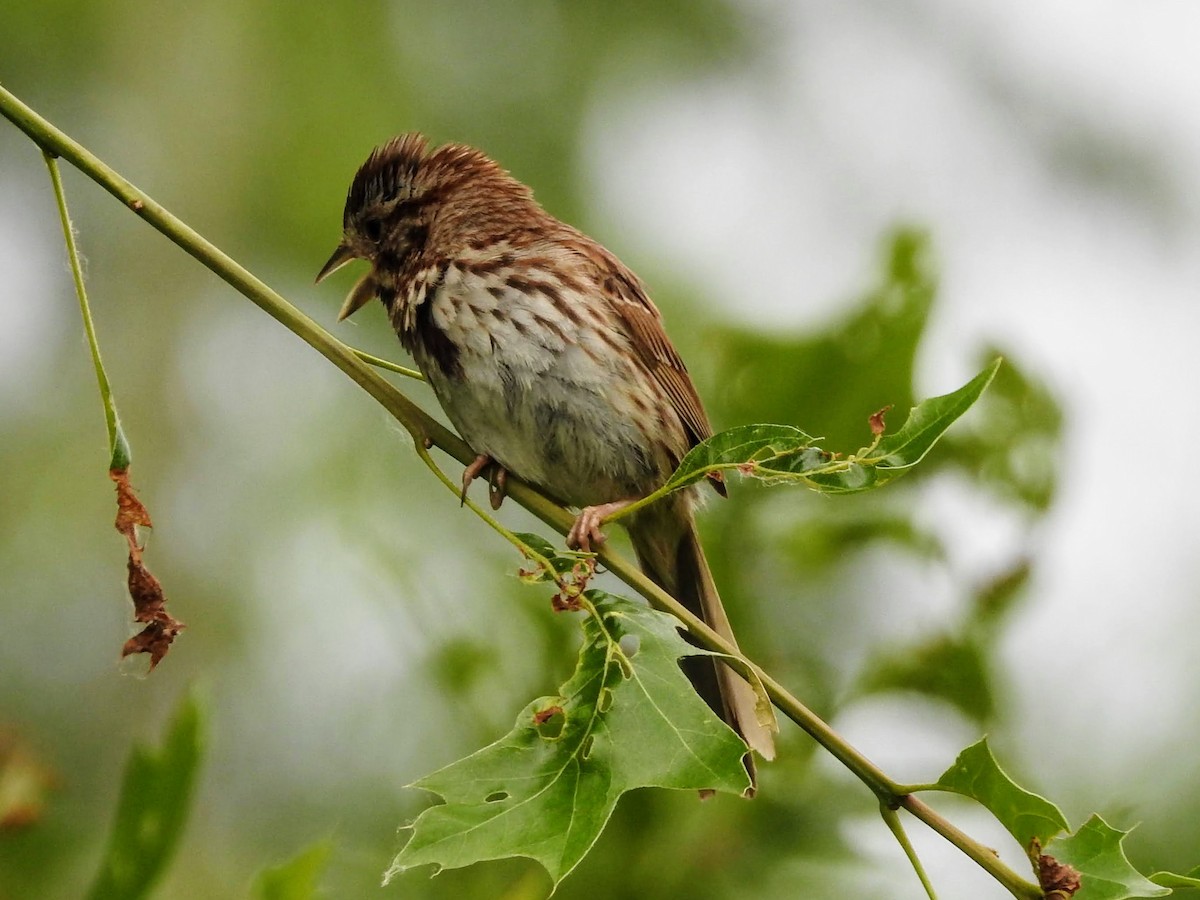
547,356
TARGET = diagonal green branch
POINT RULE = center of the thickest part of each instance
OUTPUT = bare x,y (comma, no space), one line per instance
426,431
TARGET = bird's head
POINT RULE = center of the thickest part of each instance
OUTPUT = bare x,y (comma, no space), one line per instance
406,200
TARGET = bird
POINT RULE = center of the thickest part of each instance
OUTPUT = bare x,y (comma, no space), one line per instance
550,359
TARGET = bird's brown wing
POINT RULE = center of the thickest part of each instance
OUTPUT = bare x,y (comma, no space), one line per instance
644,326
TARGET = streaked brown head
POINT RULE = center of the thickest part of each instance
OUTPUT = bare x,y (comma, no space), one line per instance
406,200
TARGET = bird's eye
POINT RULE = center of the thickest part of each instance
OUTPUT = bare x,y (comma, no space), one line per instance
373,229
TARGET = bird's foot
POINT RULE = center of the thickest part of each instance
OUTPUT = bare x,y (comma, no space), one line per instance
586,531
497,477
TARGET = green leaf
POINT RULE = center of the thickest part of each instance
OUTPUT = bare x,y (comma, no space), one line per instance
896,453
1025,815
295,879
627,718
1105,873
745,448
152,810
781,453
562,563
928,421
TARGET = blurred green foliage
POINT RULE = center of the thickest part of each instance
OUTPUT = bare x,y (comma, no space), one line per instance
295,879
156,797
352,629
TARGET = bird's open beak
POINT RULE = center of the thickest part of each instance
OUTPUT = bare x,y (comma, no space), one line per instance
364,289
342,255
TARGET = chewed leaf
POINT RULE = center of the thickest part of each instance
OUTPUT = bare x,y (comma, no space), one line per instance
782,453
1025,815
560,563
1095,852
740,447
571,571
545,790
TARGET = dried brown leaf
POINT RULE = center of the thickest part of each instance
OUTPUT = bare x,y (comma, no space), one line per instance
149,602
130,510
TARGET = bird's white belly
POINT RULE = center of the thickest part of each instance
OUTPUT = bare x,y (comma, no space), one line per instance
537,393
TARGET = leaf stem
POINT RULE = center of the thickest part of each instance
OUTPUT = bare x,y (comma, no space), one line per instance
118,446
56,143
424,427
491,521
381,363
897,828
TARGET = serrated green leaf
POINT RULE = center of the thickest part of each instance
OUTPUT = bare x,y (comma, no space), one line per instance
1025,815
627,719
295,879
152,810
1105,873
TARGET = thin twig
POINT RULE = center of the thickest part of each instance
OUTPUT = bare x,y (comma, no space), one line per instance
118,446
387,364
897,828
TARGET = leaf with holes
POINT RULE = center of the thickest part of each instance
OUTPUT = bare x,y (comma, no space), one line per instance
627,718
745,448
782,453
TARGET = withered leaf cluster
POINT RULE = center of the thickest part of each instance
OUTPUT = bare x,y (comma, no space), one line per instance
149,603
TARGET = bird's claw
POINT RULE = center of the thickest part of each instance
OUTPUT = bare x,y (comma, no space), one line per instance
497,479
497,486
586,530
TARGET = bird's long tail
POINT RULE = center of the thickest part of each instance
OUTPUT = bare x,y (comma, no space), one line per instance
669,552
